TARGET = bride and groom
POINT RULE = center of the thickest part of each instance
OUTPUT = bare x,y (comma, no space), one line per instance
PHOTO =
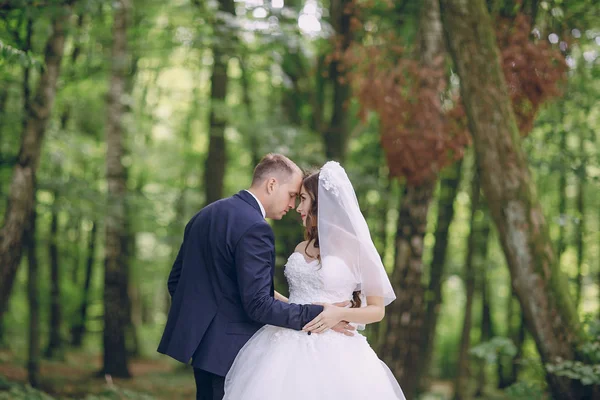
248,342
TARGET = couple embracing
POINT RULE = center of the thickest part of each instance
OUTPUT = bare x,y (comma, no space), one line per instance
248,342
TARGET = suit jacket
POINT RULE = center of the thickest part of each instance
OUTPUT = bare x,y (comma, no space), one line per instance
221,286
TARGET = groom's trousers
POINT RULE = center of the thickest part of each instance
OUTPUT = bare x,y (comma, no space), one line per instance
209,386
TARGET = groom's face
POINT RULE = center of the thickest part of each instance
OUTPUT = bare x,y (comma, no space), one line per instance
283,196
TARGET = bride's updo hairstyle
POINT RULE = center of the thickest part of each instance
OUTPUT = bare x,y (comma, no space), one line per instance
311,233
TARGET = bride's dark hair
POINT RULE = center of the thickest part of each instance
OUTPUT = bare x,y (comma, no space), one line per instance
311,232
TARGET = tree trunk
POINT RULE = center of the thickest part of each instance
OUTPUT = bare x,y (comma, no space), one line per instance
116,268
449,186
214,168
55,342
33,297
21,197
503,370
579,238
79,328
486,313
337,133
562,192
518,340
401,347
403,350
76,226
253,141
509,191
462,377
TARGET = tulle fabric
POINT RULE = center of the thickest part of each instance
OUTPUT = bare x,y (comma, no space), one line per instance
343,233
283,364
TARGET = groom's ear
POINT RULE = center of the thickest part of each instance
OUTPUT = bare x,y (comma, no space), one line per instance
271,185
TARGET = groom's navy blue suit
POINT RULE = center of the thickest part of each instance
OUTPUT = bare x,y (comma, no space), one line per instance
221,286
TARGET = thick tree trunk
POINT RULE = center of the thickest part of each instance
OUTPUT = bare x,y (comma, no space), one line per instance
462,377
401,346
116,268
33,297
337,133
403,350
55,342
79,327
21,197
449,186
214,168
509,191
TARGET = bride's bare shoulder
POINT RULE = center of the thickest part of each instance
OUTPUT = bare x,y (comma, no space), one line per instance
301,248
307,249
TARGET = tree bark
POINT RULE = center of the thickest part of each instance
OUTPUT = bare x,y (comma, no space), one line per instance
55,342
562,192
116,267
214,168
21,198
79,328
462,377
518,340
76,226
33,297
337,133
402,346
509,191
487,329
449,186
580,230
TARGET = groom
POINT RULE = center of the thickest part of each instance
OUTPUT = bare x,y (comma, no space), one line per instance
221,283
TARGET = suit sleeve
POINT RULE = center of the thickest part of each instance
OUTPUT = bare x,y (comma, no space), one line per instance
178,264
253,264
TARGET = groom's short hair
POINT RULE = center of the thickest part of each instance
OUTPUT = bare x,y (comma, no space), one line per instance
274,165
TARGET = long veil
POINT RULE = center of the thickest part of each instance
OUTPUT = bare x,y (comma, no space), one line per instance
343,233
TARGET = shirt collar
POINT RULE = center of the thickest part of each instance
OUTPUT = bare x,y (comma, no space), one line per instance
262,209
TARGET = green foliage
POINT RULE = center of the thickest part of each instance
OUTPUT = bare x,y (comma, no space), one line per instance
17,391
587,371
587,374
491,350
116,393
11,55
525,391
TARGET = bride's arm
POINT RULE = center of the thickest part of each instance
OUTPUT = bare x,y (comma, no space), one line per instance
373,312
280,297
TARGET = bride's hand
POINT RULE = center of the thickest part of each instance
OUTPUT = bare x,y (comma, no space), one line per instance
344,327
332,314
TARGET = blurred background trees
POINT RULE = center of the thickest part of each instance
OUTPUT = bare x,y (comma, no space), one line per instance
470,134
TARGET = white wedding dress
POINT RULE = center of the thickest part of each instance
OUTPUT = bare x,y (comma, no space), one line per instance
284,364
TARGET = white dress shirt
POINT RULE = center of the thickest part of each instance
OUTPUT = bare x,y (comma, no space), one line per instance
262,209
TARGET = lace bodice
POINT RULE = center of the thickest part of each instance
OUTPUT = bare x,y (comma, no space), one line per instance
329,281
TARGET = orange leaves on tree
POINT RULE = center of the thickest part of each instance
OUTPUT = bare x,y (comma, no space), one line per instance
419,138
533,70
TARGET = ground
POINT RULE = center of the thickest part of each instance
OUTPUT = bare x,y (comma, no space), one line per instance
76,377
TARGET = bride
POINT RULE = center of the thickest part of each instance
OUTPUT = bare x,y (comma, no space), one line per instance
337,262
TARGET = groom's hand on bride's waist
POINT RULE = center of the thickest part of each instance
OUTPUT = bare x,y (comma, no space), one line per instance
332,317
